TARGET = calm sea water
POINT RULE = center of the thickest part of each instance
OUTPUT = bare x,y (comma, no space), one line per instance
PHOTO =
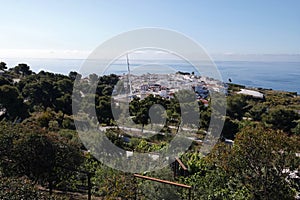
275,75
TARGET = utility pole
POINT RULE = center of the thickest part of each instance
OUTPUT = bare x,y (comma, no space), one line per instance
129,80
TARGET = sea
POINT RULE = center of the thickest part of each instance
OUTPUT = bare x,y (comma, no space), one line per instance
274,75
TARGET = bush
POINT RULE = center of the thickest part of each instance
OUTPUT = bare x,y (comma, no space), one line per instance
21,188
40,155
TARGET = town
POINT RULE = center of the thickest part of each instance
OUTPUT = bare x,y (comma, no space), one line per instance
166,85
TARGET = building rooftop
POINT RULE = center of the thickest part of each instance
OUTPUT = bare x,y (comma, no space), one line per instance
253,93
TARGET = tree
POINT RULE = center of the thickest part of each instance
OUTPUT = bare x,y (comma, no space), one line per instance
47,90
296,130
205,115
64,104
256,167
140,109
12,103
281,118
40,155
142,117
212,182
73,75
257,111
3,66
114,184
236,106
22,188
64,86
230,129
93,78
103,109
259,161
110,80
5,81
63,101
22,69
154,190
41,92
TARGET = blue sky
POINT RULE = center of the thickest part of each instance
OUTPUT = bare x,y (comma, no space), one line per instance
74,28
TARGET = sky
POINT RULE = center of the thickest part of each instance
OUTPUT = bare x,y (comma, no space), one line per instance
72,29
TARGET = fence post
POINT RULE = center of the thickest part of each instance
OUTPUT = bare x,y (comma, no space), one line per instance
136,188
89,186
50,182
50,187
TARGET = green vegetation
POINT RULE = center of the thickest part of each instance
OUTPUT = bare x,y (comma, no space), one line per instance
39,147
253,168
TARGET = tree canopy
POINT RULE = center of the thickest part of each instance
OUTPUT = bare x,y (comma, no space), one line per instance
39,144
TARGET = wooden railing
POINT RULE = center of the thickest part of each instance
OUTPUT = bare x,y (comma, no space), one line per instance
166,182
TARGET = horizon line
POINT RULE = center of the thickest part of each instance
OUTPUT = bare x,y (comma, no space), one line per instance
84,54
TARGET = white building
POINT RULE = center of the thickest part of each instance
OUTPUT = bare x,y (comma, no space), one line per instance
252,93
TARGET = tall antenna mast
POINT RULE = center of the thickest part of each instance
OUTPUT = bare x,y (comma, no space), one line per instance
129,80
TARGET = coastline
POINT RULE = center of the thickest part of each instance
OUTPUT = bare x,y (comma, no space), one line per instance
277,75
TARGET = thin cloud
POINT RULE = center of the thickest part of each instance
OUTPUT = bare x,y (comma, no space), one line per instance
43,53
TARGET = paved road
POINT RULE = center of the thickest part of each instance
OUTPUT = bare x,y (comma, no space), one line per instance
148,133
